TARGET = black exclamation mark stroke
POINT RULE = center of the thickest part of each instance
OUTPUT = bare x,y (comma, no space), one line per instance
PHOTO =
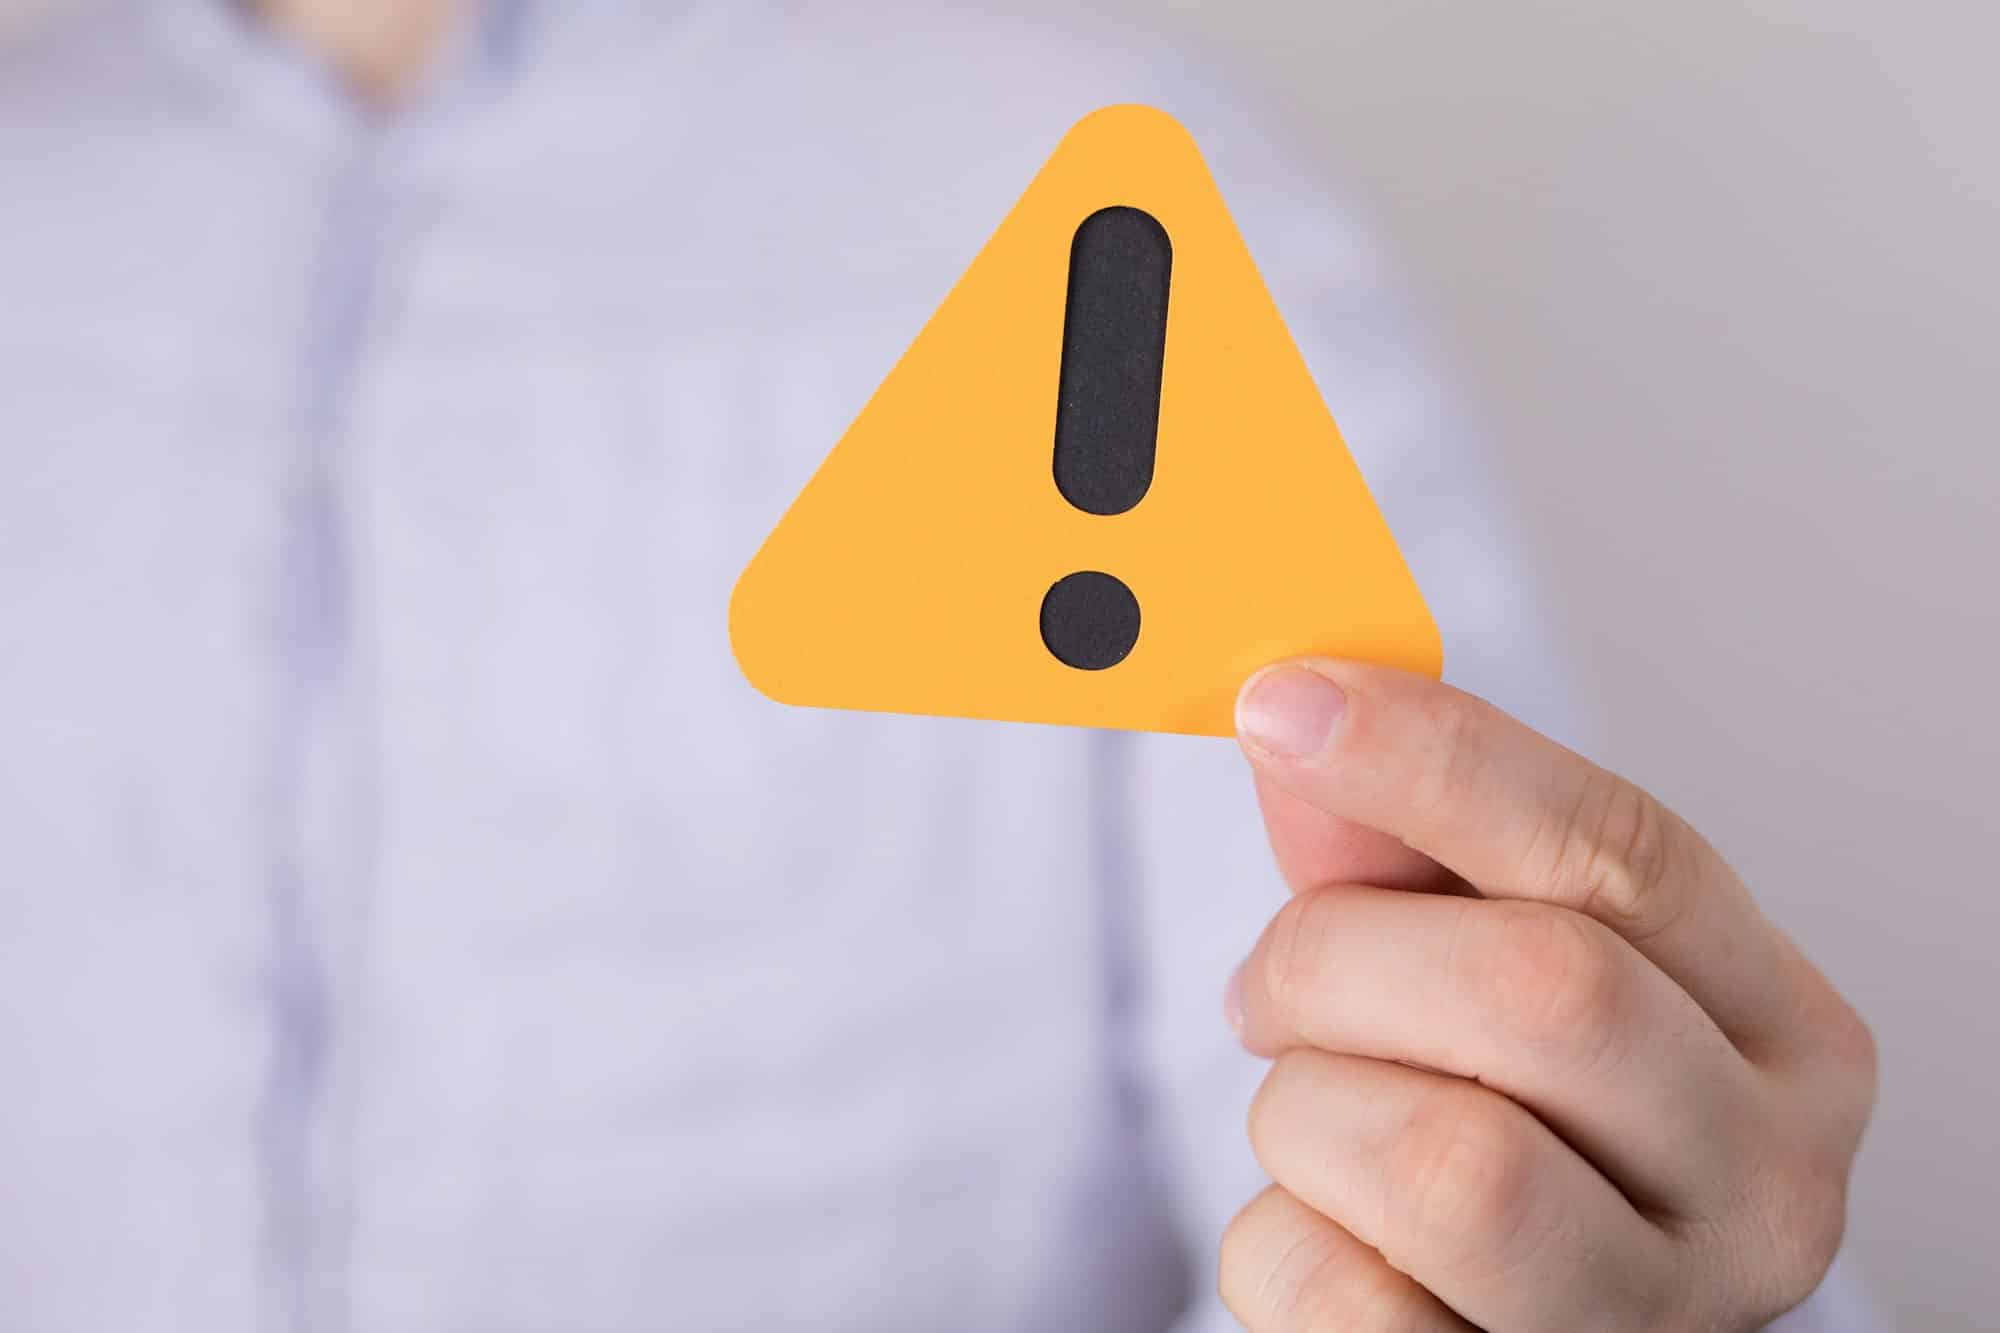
1107,416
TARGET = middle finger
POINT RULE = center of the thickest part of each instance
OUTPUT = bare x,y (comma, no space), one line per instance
1537,1002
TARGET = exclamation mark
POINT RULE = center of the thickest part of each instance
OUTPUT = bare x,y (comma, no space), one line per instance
1107,416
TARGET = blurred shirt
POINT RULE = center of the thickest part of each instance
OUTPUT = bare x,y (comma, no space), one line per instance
412,919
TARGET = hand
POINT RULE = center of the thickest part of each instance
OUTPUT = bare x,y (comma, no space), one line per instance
1539,1063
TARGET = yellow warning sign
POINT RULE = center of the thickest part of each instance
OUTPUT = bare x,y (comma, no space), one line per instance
1099,488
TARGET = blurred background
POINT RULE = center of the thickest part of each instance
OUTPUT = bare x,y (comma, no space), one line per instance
1719,282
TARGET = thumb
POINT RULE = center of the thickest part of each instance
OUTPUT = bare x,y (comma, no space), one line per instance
1314,848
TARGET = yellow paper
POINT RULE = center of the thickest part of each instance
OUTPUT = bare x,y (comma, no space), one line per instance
908,575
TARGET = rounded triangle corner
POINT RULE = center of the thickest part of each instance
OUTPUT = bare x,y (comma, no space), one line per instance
1431,661
1129,118
746,634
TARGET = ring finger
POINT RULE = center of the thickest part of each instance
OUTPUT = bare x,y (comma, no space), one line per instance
1463,1190
1286,1269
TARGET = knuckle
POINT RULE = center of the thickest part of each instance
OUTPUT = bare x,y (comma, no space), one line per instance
1618,856
1859,1058
1807,1220
1844,1063
1272,1109
1867,1054
1278,1265
1249,1256
1371,1297
1550,977
1450,751
1235,1253
1459,1183
1295,953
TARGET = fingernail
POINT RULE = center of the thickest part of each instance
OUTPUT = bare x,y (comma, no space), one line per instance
1289,710
1232,1001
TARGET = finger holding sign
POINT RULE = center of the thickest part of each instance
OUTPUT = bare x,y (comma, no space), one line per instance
1518,816
1539,1004
1647,1099
1315,849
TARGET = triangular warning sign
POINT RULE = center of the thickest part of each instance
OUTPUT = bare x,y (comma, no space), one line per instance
1098,489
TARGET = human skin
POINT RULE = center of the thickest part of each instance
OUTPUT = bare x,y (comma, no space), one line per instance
380,49
1538,1061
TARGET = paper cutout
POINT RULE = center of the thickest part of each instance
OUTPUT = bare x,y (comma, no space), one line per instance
963,550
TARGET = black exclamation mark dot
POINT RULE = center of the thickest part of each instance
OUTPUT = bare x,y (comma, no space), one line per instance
1107,416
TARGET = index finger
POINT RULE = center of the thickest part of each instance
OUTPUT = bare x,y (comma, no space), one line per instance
1518,816
1314,849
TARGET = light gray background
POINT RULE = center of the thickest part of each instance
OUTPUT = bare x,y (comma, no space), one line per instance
1719,279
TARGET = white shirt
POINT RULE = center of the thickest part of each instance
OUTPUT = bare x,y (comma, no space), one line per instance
414,921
